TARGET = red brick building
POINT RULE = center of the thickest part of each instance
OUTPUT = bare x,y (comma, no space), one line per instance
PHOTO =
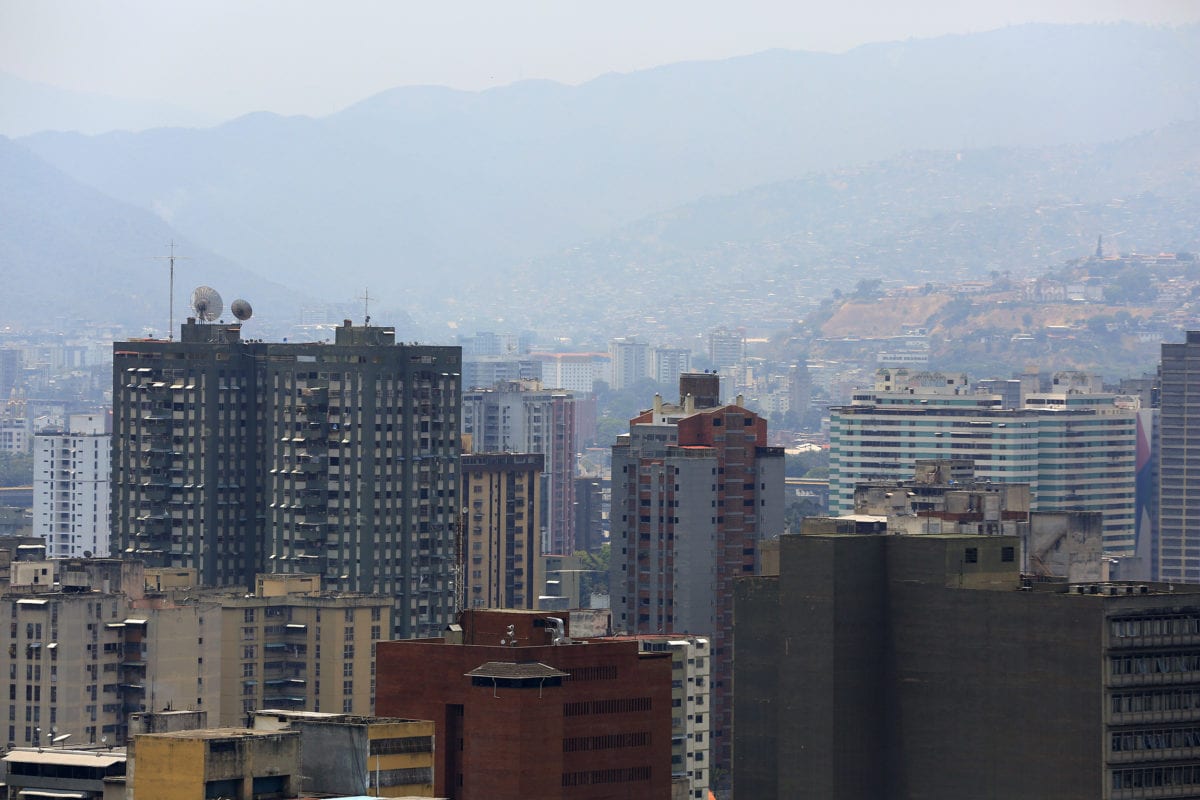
522,711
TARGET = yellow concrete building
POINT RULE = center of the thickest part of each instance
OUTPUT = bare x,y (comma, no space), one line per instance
217,762
502,530
290,646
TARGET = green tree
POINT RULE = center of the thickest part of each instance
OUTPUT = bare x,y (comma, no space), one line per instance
595,582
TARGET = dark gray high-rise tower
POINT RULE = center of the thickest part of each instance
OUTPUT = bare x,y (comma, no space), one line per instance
1179,462
236,457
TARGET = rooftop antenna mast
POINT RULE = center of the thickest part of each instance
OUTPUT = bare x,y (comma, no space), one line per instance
366,298
171,300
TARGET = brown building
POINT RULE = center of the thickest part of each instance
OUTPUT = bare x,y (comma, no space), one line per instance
522,711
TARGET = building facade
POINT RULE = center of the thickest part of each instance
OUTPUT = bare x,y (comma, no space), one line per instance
1076,451
572,372
292,646
216,763
71,487
522,417
81,662
334,749
1178,554
668,363
726,348
502,561
236,457
630,362
521,710
694,491
931,660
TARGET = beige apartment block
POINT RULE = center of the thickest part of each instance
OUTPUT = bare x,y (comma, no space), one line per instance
80,662
503,567
292,647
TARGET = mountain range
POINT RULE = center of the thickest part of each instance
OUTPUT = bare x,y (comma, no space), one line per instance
902,157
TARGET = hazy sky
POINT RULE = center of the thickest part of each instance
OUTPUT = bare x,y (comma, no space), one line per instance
226,57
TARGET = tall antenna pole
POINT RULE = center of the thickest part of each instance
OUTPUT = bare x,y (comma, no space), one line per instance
171,299
366,298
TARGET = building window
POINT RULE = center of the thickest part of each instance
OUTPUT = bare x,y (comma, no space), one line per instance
1008,554
971,555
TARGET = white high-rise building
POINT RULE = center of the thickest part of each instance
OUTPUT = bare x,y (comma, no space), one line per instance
668,363
630,362
575,372
71,487
1077,451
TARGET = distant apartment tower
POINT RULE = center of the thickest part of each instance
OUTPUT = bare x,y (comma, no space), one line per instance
799,390
522,417
630,362
502,559
591,512
11,363
572,372
1179,462
694,491
71,487
16,434
668,363
489,343
237,457
1076,451
479,372
726,348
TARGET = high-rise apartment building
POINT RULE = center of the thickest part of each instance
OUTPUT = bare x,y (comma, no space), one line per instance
522,417
924,666
480,372
502,565
236,457
694,491
668,363
1178,557
630,362
572,372
71,487
1076,451
726,348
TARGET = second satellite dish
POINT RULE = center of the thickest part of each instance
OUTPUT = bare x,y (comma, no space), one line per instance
241,309
207,303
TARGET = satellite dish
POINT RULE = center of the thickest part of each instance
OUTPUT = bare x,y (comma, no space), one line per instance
241,309
207,303
61,738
